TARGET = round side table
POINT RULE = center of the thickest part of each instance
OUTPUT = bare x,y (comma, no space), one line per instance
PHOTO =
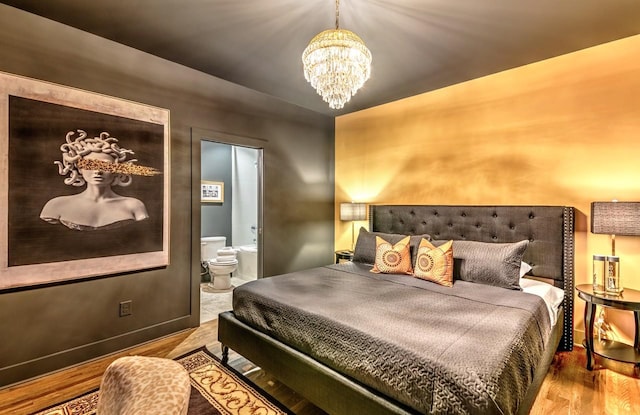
610,349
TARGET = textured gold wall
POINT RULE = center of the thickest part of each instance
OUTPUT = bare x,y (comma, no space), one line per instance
565,131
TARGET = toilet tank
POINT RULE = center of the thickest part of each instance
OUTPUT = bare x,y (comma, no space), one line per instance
209,246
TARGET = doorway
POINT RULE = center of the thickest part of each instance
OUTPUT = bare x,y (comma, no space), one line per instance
231,223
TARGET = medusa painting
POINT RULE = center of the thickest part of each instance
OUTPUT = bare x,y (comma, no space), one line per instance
76,202
100,164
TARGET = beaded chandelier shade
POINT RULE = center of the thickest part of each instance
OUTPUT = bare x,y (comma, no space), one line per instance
336,63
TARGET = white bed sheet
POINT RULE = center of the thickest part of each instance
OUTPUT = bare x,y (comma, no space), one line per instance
551,295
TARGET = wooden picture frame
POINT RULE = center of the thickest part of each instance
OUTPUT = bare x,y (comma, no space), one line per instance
211,192
84,184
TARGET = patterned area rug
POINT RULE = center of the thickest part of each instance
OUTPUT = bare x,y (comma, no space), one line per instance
215,390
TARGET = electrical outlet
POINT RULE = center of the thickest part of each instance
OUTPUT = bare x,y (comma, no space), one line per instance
126,308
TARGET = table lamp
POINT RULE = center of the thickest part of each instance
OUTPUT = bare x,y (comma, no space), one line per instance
614,218
353,212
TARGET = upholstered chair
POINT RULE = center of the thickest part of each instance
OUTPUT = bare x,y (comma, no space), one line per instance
144,385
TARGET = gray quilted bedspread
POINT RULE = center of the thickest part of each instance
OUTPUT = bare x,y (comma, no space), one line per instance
469,349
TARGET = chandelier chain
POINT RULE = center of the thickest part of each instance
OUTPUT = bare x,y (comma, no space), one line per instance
337,14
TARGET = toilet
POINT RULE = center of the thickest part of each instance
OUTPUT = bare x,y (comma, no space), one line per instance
221,268
219,260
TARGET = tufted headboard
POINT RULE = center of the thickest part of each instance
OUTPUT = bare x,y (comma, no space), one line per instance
549,229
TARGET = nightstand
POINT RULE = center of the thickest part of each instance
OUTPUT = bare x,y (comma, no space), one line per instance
344,255
628,300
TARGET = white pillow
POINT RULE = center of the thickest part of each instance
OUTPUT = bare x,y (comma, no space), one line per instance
552,296
524,268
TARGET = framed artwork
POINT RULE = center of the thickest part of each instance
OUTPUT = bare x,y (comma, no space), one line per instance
211,192
84,184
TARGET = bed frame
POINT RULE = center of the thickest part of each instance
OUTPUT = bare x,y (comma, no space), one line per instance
550,231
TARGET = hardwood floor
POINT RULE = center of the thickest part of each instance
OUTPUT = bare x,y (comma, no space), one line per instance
568,388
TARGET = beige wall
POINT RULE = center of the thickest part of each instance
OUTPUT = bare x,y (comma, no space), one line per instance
565,131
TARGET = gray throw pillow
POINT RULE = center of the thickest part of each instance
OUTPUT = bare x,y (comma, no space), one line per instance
489,263
365,250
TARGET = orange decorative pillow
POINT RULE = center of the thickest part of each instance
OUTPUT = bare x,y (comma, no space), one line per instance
392,259
435,264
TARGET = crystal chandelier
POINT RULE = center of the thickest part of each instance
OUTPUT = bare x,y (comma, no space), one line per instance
336,63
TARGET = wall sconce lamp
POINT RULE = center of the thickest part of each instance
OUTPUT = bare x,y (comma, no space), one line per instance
613,218
353,212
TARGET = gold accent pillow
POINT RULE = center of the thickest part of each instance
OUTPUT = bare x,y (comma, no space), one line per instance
393,259
435,264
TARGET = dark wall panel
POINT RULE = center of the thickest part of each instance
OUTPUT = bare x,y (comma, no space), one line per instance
217,166
49,327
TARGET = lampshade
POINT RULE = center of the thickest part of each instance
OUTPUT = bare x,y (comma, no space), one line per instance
336,63
616,218
353,211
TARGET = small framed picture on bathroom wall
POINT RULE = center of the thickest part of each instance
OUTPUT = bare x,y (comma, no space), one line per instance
211,192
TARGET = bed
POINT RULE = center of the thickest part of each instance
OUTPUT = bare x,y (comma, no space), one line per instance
356,342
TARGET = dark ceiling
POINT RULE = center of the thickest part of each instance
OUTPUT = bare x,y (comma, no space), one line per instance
417,45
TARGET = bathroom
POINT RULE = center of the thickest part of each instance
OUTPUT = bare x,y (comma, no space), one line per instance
230,195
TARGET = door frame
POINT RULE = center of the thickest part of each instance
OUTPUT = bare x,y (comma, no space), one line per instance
197,135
